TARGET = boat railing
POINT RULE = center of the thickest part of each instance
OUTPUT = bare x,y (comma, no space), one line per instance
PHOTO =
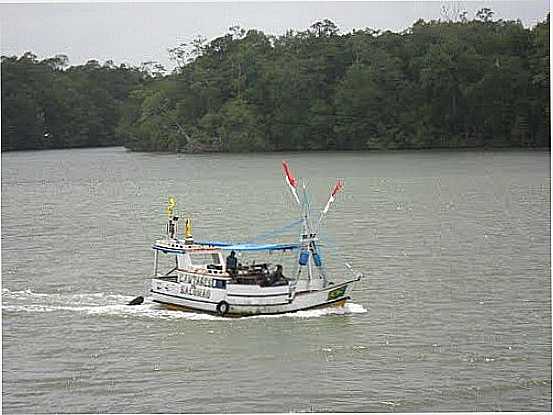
170,278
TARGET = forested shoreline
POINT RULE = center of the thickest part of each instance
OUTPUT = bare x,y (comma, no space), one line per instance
438,84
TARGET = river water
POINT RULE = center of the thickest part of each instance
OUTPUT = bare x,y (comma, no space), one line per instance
454,312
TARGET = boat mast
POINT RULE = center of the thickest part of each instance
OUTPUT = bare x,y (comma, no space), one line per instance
308,235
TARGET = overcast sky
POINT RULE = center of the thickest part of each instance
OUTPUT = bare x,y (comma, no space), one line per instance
138,32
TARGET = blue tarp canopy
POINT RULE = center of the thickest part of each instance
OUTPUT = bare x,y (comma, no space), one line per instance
212,243
250,247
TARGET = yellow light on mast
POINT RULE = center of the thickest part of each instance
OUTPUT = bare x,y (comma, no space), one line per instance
171,203
188,229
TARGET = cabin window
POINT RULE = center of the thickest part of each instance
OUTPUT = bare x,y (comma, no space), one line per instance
219,284
166,263
203,259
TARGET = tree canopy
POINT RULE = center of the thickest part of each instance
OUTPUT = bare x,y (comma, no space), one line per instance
46,104
452,83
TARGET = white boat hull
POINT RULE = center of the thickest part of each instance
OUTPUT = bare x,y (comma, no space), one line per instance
250,300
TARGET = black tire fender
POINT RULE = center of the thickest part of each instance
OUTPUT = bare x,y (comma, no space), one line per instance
223,308
137,301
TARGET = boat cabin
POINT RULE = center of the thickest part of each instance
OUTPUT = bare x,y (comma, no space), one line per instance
196,262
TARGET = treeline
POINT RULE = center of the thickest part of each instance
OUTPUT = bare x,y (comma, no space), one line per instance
46,104
455,83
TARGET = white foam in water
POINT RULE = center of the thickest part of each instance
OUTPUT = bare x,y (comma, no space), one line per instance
85,298
348,308
116,304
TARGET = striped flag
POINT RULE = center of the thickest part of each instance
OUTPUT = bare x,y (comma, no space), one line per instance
291,180
338,187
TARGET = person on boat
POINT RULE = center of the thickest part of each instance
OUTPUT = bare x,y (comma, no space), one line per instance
232,263
276,277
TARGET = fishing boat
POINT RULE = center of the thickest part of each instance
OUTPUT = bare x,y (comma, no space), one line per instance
207,276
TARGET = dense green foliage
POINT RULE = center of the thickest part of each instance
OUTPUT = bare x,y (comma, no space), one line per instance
438,84
47,106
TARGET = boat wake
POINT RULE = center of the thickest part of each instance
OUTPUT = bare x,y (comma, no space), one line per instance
116,305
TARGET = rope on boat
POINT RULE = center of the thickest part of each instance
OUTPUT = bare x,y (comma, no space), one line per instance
270,234
330,243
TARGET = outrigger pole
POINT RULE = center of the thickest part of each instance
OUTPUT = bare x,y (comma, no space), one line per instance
337,188
291,180
304,212
308,237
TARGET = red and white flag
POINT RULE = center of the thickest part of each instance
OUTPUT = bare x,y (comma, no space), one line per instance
291,180
338,187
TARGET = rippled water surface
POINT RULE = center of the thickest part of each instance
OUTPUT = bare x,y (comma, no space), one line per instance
454,313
